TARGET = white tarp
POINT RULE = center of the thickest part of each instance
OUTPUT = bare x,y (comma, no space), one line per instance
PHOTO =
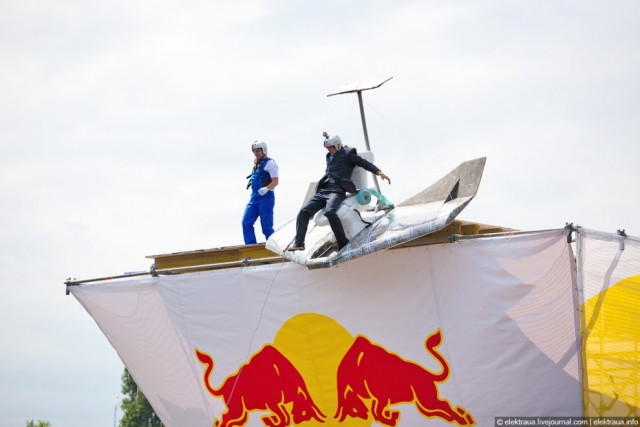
504,310
605,259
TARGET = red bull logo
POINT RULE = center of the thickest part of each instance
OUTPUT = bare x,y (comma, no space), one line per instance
268,382
358,381
371,379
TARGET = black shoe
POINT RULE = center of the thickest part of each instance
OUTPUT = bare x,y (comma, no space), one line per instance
296,247
342,246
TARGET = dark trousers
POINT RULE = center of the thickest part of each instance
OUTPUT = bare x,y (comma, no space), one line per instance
331,199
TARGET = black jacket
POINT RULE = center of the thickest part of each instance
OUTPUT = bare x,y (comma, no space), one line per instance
339,169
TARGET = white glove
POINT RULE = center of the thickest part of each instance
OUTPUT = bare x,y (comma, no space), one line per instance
263,191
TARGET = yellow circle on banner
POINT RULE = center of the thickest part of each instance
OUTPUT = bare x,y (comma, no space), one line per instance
612,348
315,344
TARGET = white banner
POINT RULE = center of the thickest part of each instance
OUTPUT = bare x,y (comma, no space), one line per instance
449,334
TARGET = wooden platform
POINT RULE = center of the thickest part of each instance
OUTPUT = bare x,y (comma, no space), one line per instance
236,256
216,258
462,228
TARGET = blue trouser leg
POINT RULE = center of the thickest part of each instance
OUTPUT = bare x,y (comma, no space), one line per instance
248,219
265,210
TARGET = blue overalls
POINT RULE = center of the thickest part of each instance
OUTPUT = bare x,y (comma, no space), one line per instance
259,206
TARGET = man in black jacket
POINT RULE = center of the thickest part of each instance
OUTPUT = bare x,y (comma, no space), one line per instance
331,190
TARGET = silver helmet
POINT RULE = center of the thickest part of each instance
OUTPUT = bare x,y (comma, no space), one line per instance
259,144
333,141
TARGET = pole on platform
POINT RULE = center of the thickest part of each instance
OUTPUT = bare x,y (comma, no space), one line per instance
364,122
358,88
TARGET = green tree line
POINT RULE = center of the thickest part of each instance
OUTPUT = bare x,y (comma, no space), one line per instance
136,409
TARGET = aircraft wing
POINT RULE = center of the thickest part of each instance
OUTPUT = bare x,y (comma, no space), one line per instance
428,211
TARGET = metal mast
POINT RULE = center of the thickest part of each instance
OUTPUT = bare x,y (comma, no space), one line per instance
359,88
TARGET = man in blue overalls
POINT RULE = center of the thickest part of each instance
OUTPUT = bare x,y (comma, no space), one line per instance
263,180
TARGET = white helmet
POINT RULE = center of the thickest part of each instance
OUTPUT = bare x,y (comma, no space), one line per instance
334,141
259,144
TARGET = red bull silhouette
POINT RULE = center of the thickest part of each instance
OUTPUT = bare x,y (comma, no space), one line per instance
268,382
369,374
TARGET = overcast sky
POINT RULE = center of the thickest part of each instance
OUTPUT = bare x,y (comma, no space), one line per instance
126,126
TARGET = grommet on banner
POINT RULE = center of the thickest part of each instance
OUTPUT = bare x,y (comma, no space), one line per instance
569,226
622,234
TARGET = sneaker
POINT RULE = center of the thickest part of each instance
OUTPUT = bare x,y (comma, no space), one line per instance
296,247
